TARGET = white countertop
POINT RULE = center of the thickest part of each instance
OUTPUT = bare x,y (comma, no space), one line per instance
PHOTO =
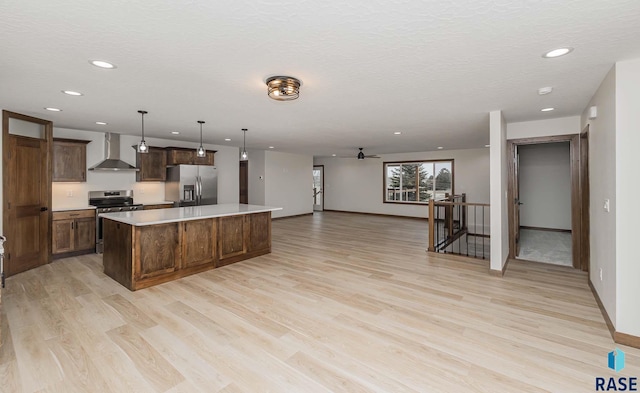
177,214
66,209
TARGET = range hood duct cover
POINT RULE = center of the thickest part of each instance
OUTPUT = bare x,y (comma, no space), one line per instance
112,161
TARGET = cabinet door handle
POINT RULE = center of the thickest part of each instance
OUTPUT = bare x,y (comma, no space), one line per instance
71,224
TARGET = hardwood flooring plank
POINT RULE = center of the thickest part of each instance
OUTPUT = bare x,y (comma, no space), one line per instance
343,303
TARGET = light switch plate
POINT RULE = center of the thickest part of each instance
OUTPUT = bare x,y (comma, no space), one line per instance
606,205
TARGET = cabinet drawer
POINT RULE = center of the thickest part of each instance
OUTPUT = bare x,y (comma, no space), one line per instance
71,214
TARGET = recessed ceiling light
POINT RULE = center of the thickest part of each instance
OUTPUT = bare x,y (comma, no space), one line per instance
397,133
53,109
175,132
547,109
271,147
333,155
101,123
440,147
557,53
487,145
72,93
545,90
102,64
227,139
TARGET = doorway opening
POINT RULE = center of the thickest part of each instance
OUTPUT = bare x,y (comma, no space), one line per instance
244,182
318,188
546,186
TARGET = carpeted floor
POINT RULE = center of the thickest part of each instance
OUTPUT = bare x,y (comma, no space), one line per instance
545,246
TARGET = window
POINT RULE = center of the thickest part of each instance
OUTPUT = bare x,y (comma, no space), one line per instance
417,181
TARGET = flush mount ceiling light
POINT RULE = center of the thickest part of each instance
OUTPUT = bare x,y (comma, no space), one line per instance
227,139
200,151
244,144
72,93
547,109
142,147
557,52
175,132
272,147
53,109
397,133
440,147
283,88
102,64
101,123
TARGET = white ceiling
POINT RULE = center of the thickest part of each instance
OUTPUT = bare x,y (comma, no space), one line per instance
430,69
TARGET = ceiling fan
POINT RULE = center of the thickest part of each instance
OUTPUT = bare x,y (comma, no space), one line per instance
362,156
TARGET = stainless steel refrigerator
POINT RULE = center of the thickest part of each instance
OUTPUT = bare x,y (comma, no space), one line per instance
192,185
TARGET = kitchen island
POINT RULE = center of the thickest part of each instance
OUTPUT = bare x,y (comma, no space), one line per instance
148,247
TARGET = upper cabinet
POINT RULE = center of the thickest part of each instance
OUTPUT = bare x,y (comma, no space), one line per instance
188,156
152,165
69,160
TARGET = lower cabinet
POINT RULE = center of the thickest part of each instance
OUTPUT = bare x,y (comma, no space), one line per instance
73,232
142,256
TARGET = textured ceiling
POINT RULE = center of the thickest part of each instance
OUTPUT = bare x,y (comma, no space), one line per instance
430,69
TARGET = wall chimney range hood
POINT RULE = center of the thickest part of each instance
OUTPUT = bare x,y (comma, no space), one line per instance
112,161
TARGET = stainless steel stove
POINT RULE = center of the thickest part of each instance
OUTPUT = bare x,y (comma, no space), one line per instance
110,202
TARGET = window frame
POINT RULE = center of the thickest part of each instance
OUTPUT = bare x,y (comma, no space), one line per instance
433,161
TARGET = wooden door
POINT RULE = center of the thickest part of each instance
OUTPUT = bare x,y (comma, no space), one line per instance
84,233
26,191
199,240
62,236
244,182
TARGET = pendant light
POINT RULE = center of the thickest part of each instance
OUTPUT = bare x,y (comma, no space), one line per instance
244,145
142,147
201,151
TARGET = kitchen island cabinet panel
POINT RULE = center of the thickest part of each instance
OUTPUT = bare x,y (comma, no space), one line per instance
162,245
199,245
260,232
118,260
233,236
157,250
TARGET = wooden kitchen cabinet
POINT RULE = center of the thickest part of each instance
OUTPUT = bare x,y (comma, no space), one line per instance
152,165
199,242
73,232
69,160
186,156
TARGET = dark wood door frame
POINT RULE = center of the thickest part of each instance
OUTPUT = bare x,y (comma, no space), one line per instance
322,193
577,237
585,189
7,191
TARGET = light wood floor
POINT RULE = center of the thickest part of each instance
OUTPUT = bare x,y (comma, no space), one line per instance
345,303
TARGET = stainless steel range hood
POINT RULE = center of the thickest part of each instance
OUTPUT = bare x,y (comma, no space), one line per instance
112,161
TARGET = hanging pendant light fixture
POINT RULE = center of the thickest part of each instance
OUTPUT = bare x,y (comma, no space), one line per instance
283,88
244,145
142,147
201,151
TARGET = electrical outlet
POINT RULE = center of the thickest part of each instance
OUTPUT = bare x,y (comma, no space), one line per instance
141,190
600,274
69,193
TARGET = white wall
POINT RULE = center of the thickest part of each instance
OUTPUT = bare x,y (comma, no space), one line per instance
602,178
548,127
627,143
256,177
357,185
545,185
288,183
498,188
226,160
